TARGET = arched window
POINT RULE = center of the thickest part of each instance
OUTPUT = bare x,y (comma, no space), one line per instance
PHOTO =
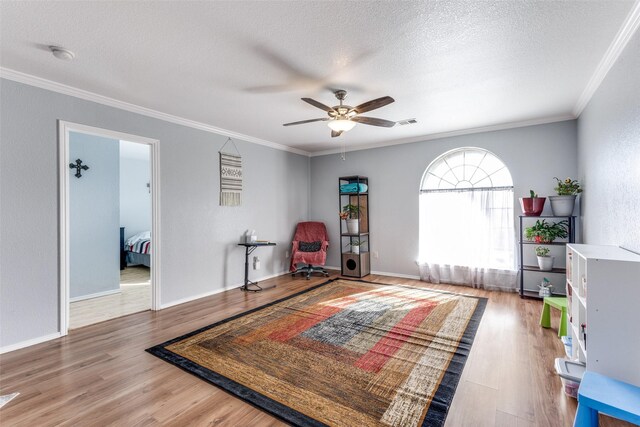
466,220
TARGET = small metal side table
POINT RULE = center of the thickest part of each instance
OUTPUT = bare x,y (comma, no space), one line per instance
249,248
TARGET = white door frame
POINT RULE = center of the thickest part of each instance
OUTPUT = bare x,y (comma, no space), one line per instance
64,129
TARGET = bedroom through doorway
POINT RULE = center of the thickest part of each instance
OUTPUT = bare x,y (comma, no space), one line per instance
109,209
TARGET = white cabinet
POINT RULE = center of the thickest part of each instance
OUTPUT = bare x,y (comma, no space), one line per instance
603,291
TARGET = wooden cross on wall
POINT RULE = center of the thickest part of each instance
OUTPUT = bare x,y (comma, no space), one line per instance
79,167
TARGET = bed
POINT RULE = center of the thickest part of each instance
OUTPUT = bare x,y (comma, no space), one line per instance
138,249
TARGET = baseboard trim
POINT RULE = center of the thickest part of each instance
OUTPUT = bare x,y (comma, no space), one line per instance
380,273
50,337
29,343
96,295
195,297
217,291
404,276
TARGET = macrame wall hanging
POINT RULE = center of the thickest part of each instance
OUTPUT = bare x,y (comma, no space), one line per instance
230,176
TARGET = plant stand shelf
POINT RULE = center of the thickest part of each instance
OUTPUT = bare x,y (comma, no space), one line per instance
529,294
528,269
536,268
355,264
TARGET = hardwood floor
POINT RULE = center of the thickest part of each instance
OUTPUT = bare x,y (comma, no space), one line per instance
100,374
134,296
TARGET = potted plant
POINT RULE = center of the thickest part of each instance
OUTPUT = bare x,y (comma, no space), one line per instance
533,205
564,202
350,215
355,245
545,261
545,232
545,288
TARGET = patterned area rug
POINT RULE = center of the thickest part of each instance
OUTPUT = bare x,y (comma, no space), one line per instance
344,353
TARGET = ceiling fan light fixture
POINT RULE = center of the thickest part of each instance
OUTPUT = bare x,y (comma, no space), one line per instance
341,125
342,118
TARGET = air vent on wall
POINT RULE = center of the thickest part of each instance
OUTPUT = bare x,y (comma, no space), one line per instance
406,122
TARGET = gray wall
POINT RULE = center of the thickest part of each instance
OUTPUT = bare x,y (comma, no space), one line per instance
609,155
199,251
534,155
135,198
94,210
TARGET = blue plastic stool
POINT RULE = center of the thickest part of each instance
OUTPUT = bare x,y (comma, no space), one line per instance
598,393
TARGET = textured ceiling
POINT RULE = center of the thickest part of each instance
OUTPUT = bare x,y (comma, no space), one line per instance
243,66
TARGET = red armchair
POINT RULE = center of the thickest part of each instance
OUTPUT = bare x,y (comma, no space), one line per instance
309,246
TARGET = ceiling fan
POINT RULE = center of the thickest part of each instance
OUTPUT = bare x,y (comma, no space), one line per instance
343,118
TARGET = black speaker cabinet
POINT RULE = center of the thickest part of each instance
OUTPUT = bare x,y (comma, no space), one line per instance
355,265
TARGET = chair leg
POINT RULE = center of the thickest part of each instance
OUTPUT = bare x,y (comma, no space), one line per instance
586,417
545,318
309,269
562,329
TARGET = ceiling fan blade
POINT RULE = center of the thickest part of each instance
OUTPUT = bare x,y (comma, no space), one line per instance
318,105
335,133
373,121
373,104
305,121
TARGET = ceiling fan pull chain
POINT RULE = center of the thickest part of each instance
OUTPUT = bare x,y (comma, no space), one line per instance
343,152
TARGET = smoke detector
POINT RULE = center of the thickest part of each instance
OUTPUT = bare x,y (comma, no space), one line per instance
62,53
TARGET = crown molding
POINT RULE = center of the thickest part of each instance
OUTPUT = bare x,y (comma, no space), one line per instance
627,30
469,131
41,83
620,41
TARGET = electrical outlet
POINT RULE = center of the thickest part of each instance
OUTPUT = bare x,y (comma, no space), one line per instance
376,255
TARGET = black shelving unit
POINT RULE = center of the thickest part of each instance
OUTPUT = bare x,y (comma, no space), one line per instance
523,268
355,264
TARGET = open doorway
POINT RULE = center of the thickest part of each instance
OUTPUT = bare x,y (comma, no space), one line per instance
109,225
